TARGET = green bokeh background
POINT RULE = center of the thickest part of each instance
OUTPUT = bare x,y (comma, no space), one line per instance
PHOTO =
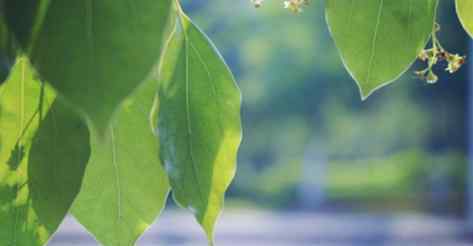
405,148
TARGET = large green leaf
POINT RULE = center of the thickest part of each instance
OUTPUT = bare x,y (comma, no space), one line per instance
58,157
43,153
465,13
94,52
379,39
125,186
198,123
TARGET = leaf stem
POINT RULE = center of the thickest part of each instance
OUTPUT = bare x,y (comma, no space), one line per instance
38,23
41,101
435,26
181,14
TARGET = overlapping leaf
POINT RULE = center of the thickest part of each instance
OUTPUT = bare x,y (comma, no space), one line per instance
125,186
198,123
94,52
379,39
43,152
465,13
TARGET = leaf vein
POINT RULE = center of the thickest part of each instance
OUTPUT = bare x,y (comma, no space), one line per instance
188,120
375,39
117,173
214,86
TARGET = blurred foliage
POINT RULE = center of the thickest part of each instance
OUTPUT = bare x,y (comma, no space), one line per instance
406,143
405,175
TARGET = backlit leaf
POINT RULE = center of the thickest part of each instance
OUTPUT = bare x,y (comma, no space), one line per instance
94,52
465,13
379,39
125,186
56,166
198,123
43,152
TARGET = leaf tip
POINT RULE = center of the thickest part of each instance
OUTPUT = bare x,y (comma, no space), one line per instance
210,237
365,91
364,95
208,225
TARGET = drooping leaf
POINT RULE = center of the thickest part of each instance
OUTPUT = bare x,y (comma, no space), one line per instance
379,39
56,166
465,14
43,152
94,52
125,186
198,123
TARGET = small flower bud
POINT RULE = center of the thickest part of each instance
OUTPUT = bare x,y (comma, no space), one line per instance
455,62
431,78
295,6
423,55
420,74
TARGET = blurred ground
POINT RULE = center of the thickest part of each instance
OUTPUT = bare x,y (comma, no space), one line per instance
257,228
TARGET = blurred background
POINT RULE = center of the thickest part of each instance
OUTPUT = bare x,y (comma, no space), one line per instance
317,165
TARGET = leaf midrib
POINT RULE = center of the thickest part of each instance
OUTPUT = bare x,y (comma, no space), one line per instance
21,109
188,118
116,173
374,41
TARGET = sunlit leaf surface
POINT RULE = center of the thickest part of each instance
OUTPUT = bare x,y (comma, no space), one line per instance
44,147
198,123
125,186
465,13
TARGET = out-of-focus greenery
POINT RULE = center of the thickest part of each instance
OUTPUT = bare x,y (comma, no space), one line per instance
405,145
402,175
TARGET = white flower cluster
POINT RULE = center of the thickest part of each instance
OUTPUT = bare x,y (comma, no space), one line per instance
295,6
434,56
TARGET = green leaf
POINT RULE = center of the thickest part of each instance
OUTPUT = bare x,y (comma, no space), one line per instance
58,158
43,153
94,52
465,14
198,123
125,186
379,39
